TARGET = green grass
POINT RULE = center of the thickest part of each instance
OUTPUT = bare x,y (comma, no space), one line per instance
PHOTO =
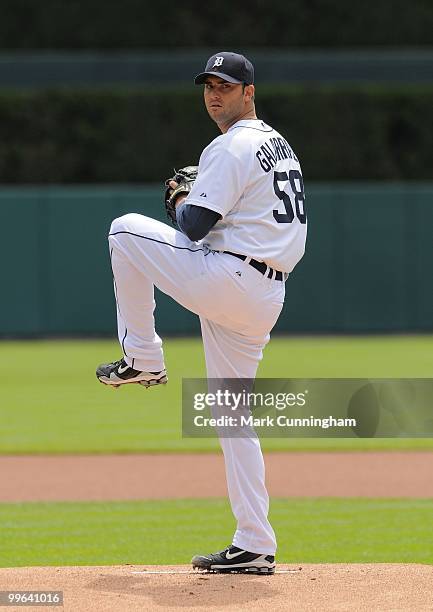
51,402
163,532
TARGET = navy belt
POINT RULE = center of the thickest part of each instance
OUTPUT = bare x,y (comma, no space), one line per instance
259,265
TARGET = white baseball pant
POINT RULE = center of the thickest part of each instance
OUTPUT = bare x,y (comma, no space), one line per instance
237,313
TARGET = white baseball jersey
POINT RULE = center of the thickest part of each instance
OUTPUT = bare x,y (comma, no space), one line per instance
252,178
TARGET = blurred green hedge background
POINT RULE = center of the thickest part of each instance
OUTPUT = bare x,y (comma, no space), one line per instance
133,24
123,135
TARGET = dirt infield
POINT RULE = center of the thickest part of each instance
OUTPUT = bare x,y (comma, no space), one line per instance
303,588
129,477
384,587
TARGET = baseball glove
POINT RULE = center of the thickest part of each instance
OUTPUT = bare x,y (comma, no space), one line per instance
184,178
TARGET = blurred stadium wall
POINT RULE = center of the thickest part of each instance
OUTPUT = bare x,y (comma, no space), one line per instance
97,106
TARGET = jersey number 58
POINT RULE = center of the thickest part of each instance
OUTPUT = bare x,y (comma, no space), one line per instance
297,184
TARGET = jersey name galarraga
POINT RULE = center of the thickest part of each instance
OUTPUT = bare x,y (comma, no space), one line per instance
252,178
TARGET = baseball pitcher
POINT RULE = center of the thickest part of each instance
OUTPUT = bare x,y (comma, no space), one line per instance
240,230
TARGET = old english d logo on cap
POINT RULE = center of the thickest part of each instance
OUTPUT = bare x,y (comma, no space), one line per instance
232,67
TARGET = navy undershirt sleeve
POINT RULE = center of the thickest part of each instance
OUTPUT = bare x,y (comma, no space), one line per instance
195,221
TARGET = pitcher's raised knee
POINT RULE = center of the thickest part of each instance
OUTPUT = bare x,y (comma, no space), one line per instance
130,223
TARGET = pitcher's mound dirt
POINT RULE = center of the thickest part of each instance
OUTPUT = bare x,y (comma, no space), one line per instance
384,587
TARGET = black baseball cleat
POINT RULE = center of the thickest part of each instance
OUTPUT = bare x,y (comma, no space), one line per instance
235,560
120,373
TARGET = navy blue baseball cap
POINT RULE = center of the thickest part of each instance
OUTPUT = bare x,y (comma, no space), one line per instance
231,67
